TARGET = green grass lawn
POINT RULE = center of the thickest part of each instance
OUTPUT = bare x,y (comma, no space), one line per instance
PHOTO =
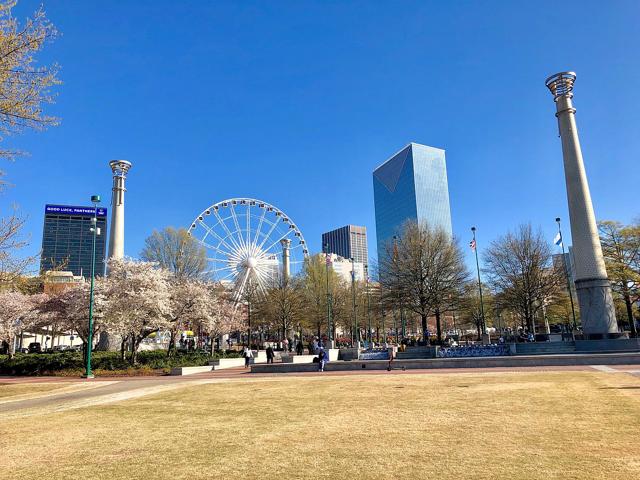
549,425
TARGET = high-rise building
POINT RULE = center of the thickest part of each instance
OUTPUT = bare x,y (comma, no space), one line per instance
349,241
411,185
67,239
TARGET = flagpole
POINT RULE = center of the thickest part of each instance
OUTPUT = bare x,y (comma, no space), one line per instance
329,332
475,249
566,272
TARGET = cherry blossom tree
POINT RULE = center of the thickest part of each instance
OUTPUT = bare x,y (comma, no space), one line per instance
220,317
191,301
203,306
71,309
14,317
138,300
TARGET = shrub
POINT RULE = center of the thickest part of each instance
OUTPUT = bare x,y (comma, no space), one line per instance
101,362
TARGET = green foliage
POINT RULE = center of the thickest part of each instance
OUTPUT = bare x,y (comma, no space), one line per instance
103,362
176,251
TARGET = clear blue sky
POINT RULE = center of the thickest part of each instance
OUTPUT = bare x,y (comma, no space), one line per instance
296,102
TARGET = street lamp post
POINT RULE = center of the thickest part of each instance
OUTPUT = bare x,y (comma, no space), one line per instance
566,273
475,249
329,331
353,292
369,336
95,199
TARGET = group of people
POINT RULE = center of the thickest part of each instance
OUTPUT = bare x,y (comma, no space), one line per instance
315,348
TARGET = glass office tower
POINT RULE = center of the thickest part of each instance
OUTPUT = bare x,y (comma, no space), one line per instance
411,185
67,237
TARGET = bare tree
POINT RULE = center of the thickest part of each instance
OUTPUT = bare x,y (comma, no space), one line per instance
424,269
283,304
176,251
314,278
24,86
12,240
518,268
471,310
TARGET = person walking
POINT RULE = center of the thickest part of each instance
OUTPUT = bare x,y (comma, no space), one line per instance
270,354
248,355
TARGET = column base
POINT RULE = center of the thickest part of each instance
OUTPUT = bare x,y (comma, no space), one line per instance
109,342
597,311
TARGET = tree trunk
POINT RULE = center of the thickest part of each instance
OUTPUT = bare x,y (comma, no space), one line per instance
12,347
438,327
171,349
425,327
632,322
122,347
108,342
134,351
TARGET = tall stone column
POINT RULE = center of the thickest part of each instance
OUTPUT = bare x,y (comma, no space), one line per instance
597,311
116,237
119,168
286,258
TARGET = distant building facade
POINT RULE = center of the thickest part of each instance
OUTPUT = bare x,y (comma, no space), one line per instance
67,240
347,242
411,185
344,266
559,262
56,282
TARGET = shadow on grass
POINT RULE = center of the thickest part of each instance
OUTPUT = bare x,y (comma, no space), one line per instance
619,388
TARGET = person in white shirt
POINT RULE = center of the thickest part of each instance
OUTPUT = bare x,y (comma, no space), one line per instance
248,355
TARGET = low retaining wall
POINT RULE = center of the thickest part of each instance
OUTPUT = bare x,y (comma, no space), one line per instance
479,362
289,358
298,358
190,370
222,363
609,345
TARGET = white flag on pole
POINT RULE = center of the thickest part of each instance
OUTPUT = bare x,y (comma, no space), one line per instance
558,239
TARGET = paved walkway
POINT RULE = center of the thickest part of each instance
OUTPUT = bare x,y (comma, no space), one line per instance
105,390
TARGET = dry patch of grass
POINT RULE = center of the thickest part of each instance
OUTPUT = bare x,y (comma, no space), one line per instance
569,425
10,390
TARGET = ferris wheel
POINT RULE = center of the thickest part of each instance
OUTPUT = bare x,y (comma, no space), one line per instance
249,243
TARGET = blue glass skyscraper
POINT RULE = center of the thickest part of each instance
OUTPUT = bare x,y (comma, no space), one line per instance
411,185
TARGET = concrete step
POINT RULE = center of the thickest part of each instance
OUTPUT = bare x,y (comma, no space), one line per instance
410,355
415,353
474,362
546,348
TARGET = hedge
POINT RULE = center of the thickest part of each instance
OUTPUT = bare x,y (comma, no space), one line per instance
55,363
